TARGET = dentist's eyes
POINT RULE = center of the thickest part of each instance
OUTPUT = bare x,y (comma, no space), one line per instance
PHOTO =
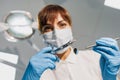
47,28
62,25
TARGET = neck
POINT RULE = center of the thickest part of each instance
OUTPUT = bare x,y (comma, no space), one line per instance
64,55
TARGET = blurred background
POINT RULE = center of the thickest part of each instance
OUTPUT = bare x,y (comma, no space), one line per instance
92,19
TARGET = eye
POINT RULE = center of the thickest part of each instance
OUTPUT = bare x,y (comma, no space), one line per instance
47,28
62,25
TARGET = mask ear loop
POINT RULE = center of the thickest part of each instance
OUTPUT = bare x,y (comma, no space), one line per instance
49,27
50,45
43,29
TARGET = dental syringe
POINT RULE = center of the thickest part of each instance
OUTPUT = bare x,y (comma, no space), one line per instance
88,47
65,45
72,41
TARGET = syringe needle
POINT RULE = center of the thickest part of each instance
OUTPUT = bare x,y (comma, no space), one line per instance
88,47
117,38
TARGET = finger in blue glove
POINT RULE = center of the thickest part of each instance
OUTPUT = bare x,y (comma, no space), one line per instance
39,63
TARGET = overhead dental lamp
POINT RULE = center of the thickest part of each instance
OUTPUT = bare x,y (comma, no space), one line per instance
18,25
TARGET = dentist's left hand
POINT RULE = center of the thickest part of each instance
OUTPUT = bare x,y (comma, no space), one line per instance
110,57
45,59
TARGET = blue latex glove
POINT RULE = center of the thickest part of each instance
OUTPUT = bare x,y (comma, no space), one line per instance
45,59
110,57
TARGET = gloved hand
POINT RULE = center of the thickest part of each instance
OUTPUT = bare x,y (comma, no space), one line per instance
45,59
110,57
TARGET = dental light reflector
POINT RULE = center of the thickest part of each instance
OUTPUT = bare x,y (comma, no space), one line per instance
19,25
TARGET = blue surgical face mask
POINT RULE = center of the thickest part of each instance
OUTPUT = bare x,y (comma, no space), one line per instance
57,38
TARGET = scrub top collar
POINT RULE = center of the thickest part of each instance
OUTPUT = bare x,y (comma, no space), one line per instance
72,57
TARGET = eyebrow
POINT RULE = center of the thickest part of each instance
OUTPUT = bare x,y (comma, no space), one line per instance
60,21
57,23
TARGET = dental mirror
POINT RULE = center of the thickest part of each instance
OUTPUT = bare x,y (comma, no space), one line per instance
17,25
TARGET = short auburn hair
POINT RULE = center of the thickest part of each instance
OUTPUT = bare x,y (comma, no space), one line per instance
49,13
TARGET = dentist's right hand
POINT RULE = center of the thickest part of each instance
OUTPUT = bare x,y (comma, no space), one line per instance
38,63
